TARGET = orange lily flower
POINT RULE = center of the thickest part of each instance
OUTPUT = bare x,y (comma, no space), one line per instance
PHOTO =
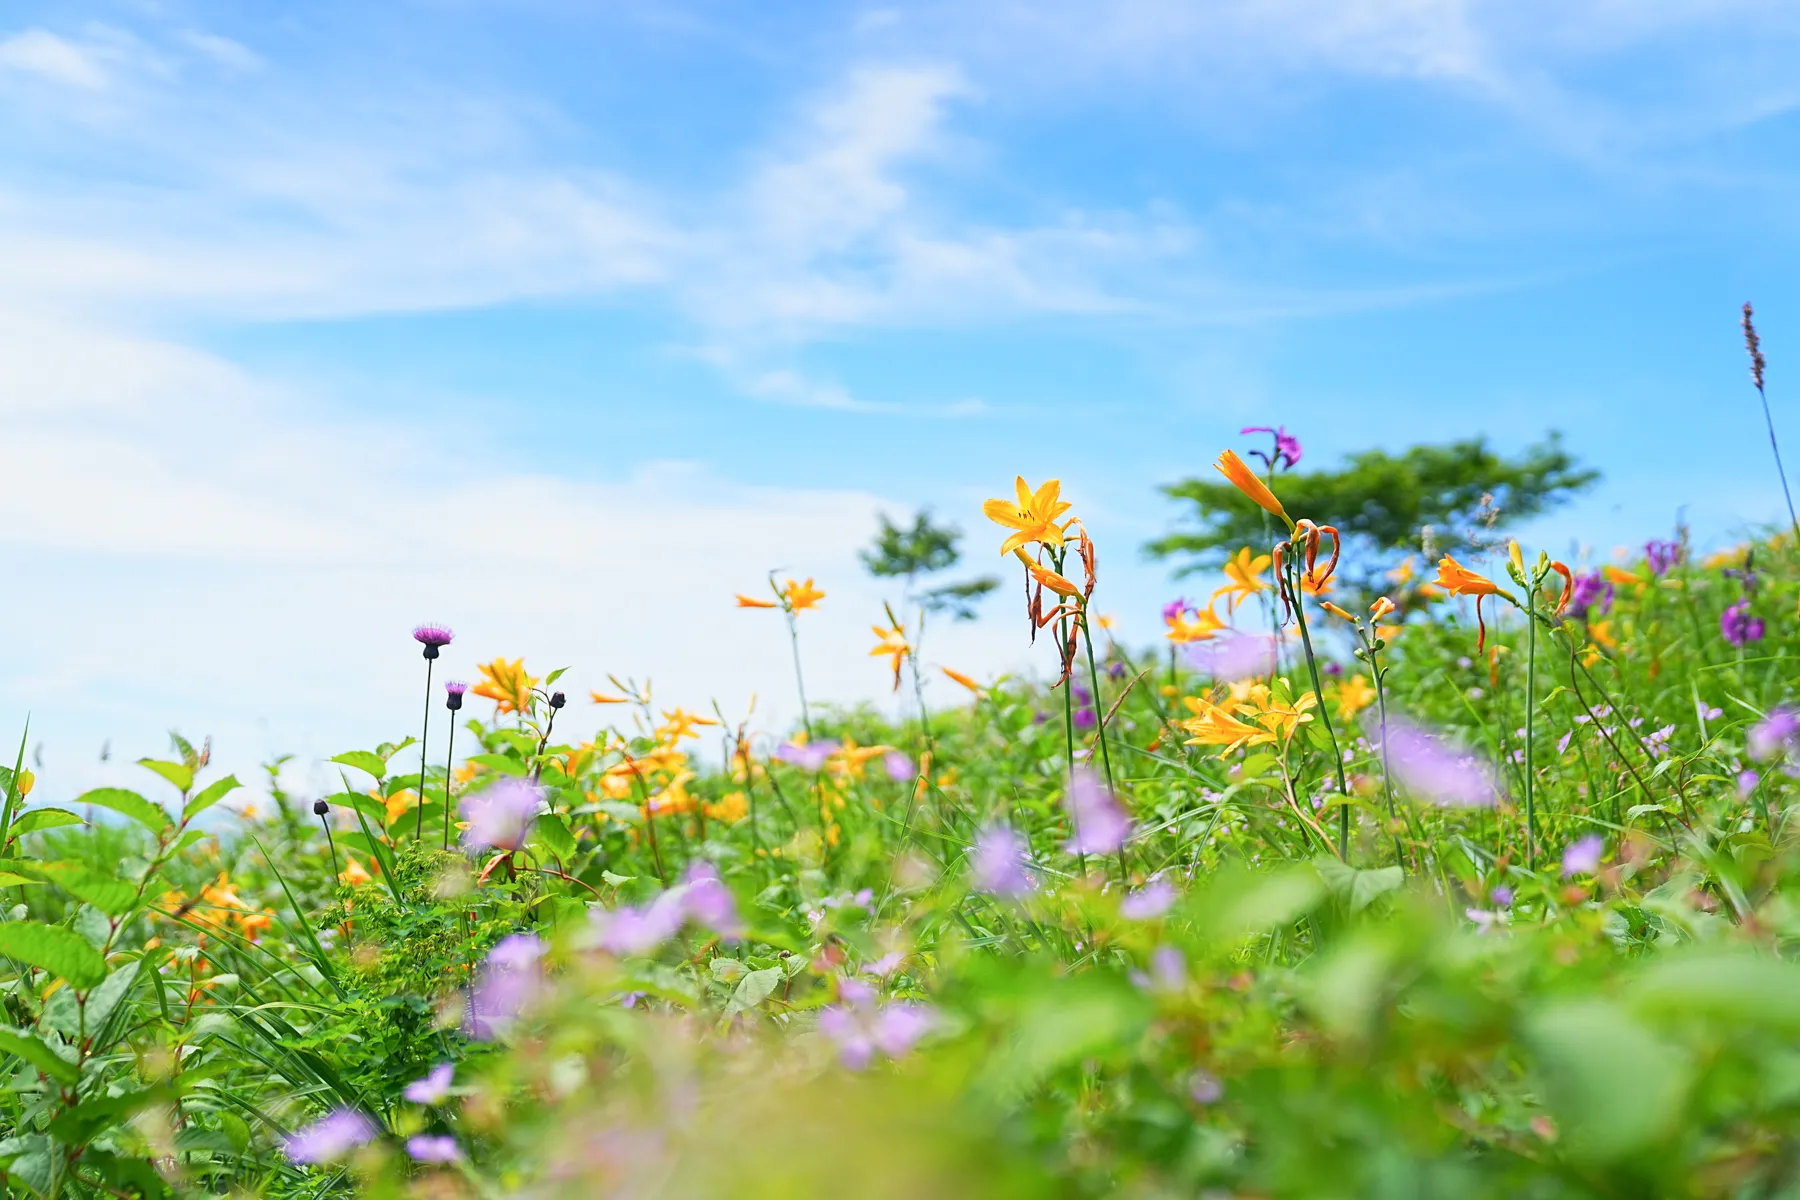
744,601
355,875
1216,727
1032,514
1458,580
1203,628
963,679
893,642
1620,576
1245,480
507,684
1243,574
680,724
801,596
1381,608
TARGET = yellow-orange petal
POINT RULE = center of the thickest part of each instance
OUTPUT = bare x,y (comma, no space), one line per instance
744,601
608,698
1381,608
1335,611
963,679
1245,480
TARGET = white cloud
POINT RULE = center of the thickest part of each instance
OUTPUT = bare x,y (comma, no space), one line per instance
222,50
43,54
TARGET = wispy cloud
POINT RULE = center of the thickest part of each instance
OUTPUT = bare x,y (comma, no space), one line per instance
40,53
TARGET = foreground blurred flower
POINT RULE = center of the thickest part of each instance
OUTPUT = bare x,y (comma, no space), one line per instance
507,684
1000,864
1738,626
331,1137
898,765
508,981
433,1148
1032,514
434,1087
706,900
744,601
1099,820
860,1032
1435,772
701,897
1771,736
500,816
1148,902
807,755
959,677
1234,657
1582,857
1591,592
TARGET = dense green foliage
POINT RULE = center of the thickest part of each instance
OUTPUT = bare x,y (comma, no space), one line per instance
878,1004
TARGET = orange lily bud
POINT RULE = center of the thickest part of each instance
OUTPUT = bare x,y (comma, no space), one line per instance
963,679
1245,480
1335,611
1381,608
608,698
744,601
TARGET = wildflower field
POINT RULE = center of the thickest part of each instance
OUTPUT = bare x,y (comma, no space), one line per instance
1467,879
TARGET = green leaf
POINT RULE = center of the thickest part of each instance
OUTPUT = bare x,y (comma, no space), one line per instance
214,792
754,988
108,893
62,952
364,761
42,818
1736,990
555,675
1614,1087
552,832
179,774
1358,888
27,1046
129,804
505,764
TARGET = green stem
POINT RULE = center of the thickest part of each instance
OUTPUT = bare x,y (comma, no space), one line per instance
1530,731
1337,757
424,738
799,679
1100,718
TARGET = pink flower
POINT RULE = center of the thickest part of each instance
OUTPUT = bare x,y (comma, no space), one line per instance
508,981
860,1032
433,1088
1150,902
1436,772
500,816
898,765
1099,821
331,1137
1000,863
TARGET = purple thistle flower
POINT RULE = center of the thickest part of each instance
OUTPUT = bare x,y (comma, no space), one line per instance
1737,625
1771,736
1000,863
508,981
1582,856
898,765
456,688
433,638
1591,592
501,815
859,1032
1435,772
331,1137
1662,555
1233,657
808,756
1148,902
433,1148
434,1087
1100,823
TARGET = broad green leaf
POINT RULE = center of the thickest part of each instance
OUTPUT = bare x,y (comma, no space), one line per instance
42,818
62,952
1614,1087
505,764
8,879
555,675
179,774
27,1046
1736,989
214,792
1358,888
129,804
103,999
552,832
730,970
108,893
754,988
364,761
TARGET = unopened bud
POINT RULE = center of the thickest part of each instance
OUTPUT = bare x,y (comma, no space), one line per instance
557,699
320,808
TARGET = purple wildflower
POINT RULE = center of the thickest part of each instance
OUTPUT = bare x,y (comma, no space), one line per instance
1738,626
706,901
1437,773
898,765
1662,555
1287,446
886,965
1591,592
1084,706
855,992
1582,856
1746,783
627,931
1173,609
860,1032
1000,863
1100,822
1771,736
808,756
507,982
434,1087
454,690
1234,657
331,1137
1115,670
433,1148
1148,902
1168,970
1502,896
1205,1088
501,815
433,638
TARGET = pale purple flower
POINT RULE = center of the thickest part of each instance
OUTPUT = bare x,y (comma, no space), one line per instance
1287,446
886,965
1746,783
855,992
1098,819
330,1137
1772,735
1436,772
860,1032
1173,609
706,901
433,1148
1084,707
1149,902
898,1027
808,756
1205,1088
1168,971
1582,856
1738,626
898,765
627,931
508,981
1485,918
1000,863
433,1088
1590,592
1231,657
500,816
1662,555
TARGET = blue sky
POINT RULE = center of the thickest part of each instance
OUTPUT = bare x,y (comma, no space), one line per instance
561,322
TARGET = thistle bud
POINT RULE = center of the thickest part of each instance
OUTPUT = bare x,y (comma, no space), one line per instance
320,808
557,699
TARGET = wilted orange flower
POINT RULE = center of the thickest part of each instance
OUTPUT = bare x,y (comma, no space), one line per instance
1046,577
1243,578
801,596
507,684
892,642
744,601
1245,480
1032,514
963,679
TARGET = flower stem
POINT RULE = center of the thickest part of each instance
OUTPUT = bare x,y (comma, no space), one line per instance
424,737
1337,757
1530,731
1100,718
449,768
799,679
1776,447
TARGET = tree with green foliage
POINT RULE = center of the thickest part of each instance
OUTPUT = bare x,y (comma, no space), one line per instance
1428,497
925,549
